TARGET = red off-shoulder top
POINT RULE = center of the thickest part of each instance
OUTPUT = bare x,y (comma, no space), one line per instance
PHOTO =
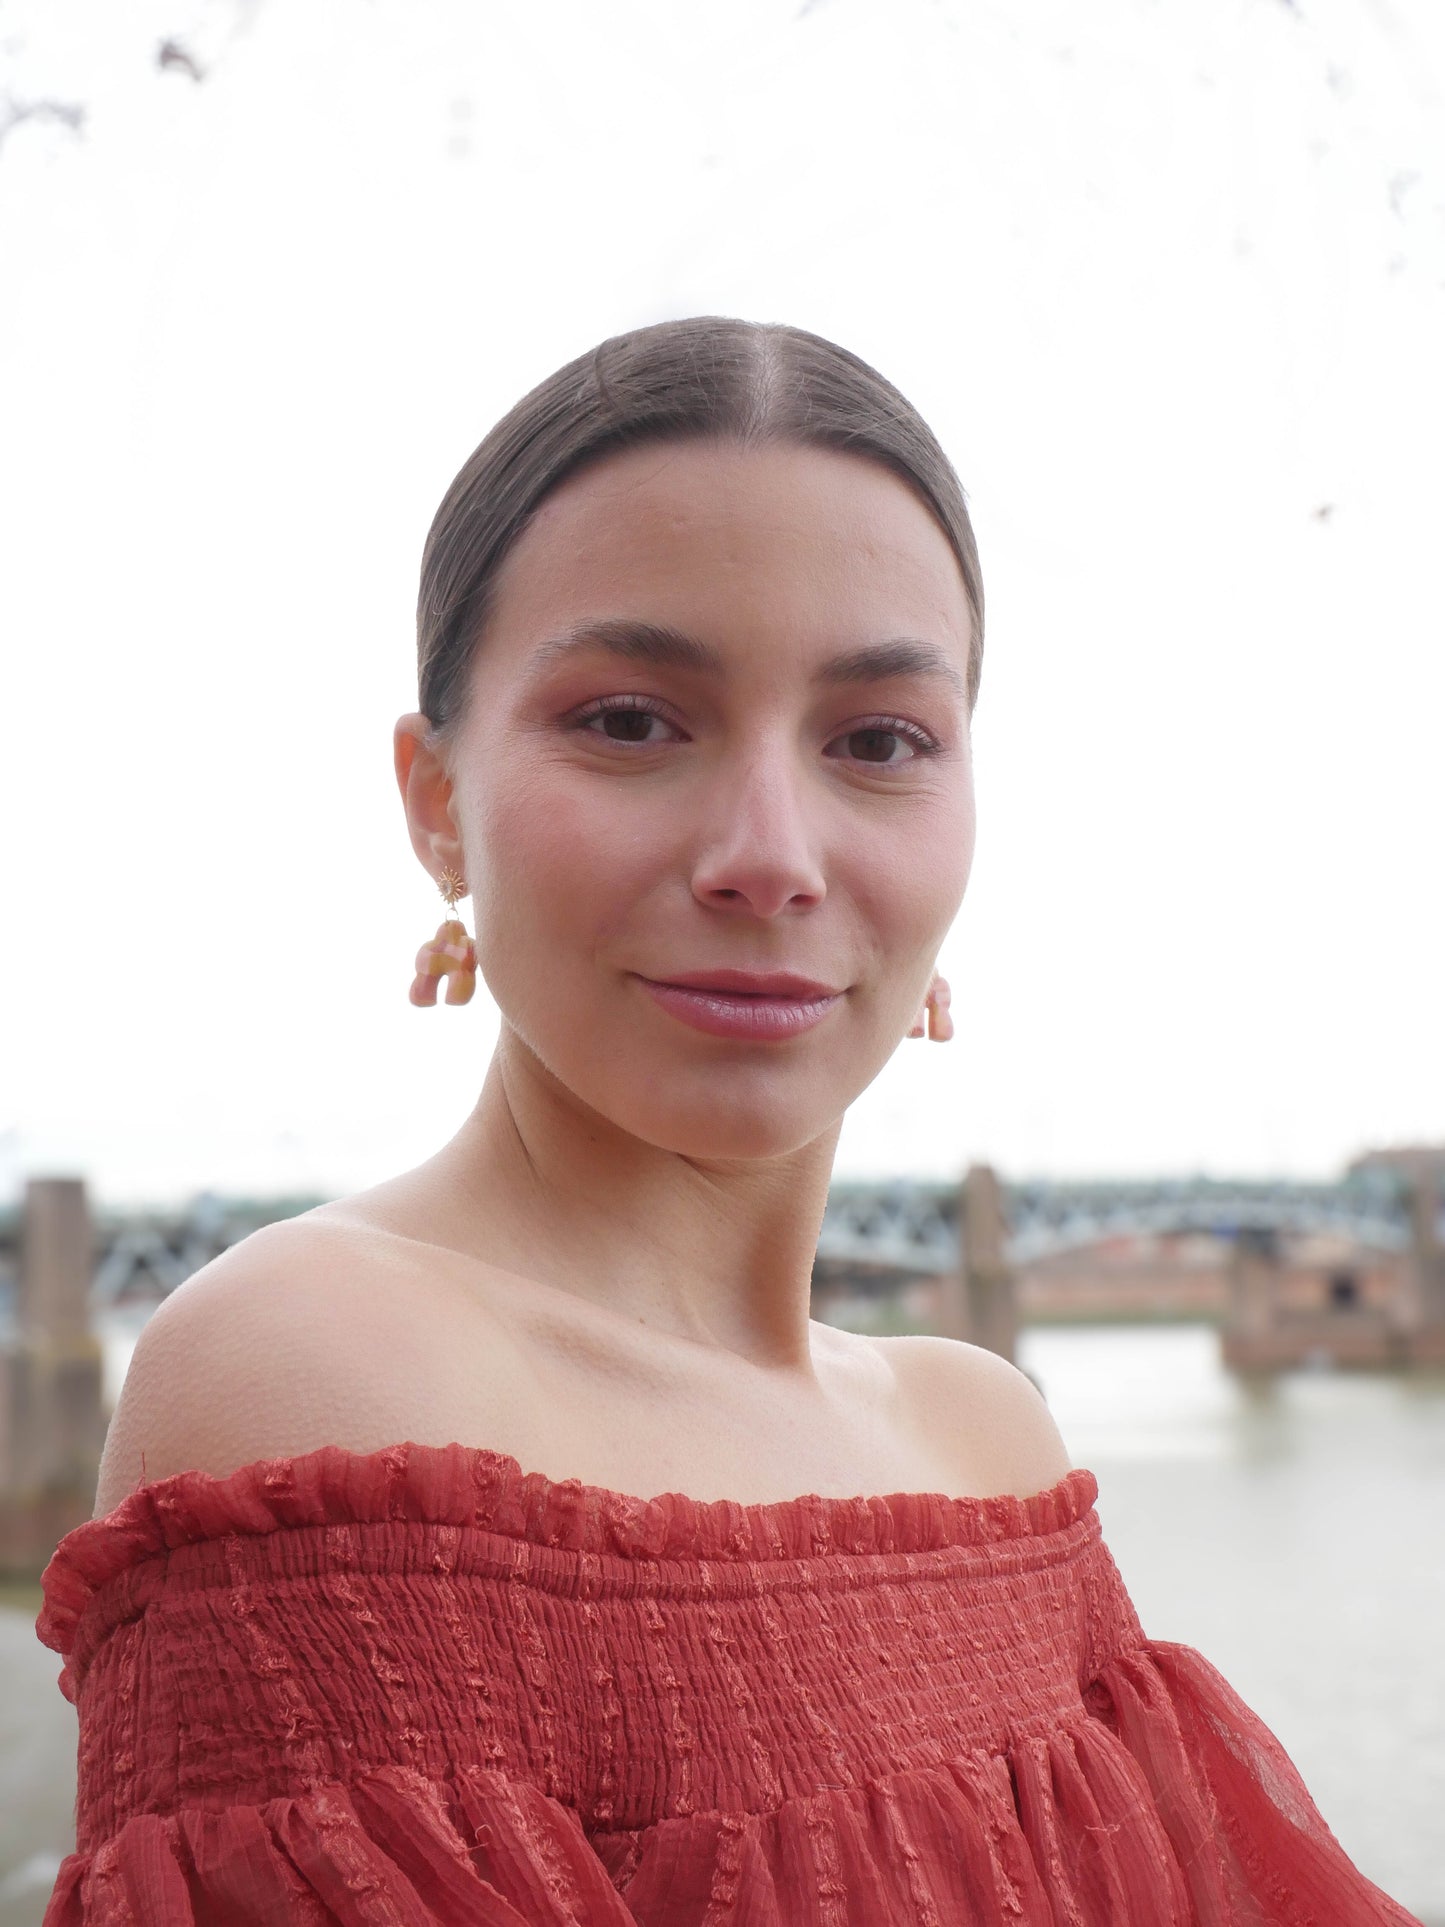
420,1687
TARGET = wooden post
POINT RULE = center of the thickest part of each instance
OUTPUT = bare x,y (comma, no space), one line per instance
54,1413
1426,1343
989,1287
1249,1333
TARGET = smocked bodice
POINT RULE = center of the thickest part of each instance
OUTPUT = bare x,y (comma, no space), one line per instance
421,1684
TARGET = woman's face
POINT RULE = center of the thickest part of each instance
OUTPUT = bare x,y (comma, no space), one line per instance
717,730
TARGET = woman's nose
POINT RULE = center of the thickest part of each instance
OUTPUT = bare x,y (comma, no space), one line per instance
757,849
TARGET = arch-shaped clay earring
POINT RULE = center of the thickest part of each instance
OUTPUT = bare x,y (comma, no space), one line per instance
450,953
934,1020
940,1020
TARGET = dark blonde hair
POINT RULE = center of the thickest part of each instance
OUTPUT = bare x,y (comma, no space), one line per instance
708,377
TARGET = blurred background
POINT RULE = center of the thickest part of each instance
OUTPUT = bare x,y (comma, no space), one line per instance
1169,283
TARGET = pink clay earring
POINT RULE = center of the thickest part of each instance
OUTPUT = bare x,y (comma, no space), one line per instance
450,953
935,1013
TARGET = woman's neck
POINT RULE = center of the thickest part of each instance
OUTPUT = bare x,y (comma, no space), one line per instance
716,1253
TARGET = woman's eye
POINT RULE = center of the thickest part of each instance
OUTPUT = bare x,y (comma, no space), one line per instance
635,721
628,723
881,743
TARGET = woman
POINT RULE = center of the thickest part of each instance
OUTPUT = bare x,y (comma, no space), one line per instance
368,1626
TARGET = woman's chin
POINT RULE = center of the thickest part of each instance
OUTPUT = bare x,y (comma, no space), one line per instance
708,1111
722,1129
706,1142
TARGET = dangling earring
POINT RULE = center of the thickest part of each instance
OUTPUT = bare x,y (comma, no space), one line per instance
450,953
935,1012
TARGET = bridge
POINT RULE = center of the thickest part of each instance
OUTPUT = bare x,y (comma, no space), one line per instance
912,1227
903,1226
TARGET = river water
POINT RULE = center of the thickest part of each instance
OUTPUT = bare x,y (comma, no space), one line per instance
1295,1534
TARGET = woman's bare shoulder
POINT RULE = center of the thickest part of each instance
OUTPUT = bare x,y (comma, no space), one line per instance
299,1335
978,1407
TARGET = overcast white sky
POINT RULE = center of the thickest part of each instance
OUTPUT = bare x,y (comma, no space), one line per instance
1169,282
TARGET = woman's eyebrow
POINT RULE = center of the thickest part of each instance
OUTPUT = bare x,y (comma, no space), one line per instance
653,642
904,656
635,641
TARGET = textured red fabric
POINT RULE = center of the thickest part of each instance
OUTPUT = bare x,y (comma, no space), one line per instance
421,1687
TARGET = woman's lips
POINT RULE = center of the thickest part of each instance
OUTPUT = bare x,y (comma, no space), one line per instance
730,1003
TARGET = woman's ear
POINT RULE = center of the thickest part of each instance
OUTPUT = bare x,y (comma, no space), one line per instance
426,794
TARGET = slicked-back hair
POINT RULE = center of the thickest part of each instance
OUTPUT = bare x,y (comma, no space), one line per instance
707,377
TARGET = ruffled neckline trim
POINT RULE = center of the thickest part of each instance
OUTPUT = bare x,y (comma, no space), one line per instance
474,1486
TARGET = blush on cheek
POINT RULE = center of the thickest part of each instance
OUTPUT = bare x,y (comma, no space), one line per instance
569,865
